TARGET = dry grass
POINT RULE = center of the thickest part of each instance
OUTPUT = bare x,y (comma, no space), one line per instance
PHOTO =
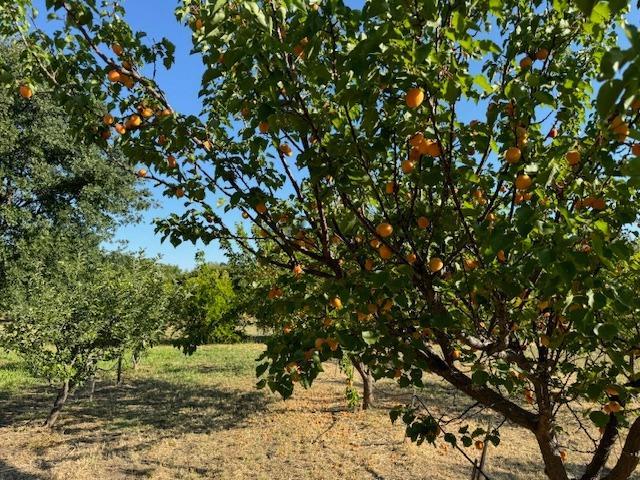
201,418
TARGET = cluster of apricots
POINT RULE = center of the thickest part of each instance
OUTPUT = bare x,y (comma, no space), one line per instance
527,61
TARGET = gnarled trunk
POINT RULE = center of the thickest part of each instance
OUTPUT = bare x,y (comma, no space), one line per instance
58,404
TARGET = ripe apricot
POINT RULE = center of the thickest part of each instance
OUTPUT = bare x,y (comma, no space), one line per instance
423,222
573,157
172,162
502,257
117,49
416,140
411,258
134,121
614,407
513,155
142,173
431,148
635,149
121,129
542,54
263,127
553,133
526,62
407,166
385,252
25,91
436,264
414,97
470,263
261,208
179,192
390,187
113,76
336,303
384,229
612,391
523,181
368,265
298,270
108,119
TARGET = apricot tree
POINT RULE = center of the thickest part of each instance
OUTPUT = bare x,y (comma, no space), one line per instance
465,168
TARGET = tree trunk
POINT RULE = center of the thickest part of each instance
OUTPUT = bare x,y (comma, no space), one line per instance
553,464
630,455
135,359
119,371
367,382
59,402
92,387
601,455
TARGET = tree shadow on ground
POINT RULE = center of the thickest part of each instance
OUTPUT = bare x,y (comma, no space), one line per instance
9,472
169,408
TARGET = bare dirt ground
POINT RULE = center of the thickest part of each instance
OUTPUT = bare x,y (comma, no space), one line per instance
201,418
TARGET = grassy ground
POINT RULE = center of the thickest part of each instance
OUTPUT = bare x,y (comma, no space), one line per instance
201,418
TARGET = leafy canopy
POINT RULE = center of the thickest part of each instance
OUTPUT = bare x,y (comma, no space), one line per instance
453,184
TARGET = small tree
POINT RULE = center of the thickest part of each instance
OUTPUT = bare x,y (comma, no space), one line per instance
201,302
72,306
480,151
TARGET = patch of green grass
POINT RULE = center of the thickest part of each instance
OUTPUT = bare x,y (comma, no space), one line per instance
13,374
209,364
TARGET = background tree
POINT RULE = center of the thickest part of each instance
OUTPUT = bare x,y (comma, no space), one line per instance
201,304
71,306
59,199
480,150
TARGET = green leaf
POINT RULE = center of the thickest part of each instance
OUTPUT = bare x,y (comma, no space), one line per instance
370,337
483,83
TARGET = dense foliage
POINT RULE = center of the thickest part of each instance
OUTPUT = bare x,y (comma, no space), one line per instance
444,186
200,304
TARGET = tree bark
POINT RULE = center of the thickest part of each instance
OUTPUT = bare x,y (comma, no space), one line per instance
484,395
367,382
601,455
61,399
119,371
553,464
629,457
92,387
